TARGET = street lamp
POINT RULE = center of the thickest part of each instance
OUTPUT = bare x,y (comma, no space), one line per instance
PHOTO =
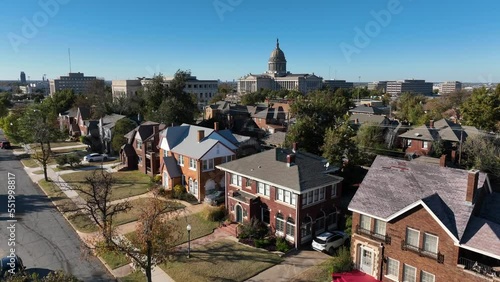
188,227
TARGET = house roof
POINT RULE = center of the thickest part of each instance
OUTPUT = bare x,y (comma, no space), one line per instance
364,118
483,235
443,129
128,149
271,167
421,133
71,112
171,166
145,131
184,140
84,112
275,139
392,186
367,110
109,121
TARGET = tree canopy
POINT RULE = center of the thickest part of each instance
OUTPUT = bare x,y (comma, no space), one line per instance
122,127
482,109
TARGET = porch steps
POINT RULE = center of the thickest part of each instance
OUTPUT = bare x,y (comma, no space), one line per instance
231,229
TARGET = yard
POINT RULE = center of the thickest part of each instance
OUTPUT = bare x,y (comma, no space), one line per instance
220,261
134,213
62,144
317,273
114,259
128,183
136,276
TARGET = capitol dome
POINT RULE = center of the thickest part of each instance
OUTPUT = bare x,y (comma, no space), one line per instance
277,54
277,61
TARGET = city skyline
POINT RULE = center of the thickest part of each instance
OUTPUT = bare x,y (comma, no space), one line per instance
222,39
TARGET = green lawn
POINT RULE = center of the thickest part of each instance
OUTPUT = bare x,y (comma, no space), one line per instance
317,273
79,151
62,144
80,221
128,183
134,213
30,163
114,259
136,276
38,172
220,261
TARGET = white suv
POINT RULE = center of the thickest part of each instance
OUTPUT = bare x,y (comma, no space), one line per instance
329,241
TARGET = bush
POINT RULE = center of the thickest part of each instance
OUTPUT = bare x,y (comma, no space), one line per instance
71,159
215,214
282,245
342,262
62,160
262,243
348,225
178,191
255,229
188,197
157,179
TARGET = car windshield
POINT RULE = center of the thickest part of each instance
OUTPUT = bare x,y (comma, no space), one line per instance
319,241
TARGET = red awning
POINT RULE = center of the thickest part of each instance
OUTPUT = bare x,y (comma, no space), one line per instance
353,276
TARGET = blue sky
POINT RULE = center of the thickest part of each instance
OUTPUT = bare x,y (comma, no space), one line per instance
226,39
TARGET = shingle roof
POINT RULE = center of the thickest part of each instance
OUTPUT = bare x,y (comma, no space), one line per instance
109,121
275,139
421,133
71,112
271,166
392,185
84,112
172,167
364,118
128,149
484,235
444,129
366,110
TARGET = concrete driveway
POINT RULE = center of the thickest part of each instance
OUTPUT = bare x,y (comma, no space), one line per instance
294,264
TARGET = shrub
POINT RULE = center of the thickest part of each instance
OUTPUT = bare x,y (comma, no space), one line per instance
73,159
178,191
282,245
348,225
253,229
157,179
62,160
262,243
342,262
215,213
188,197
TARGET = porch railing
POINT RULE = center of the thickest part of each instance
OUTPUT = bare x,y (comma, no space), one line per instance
477,267
421,252
372,235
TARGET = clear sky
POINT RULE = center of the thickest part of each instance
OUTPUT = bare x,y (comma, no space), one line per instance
226,39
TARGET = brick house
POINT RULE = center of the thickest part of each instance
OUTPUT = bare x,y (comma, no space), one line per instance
141,150
67,121
189,155
419,141
270,118
293,192
85,124
414,221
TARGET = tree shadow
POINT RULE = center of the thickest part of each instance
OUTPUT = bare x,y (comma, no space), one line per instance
26,204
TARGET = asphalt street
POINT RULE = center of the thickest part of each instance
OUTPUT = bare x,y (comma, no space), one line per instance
43,238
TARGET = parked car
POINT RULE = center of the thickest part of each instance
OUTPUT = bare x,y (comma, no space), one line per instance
8,263
5,144
329,241
215,197
95,157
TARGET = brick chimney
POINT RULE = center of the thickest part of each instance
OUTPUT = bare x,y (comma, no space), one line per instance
295,147
290,160
431,123
472,179
201,135
442,161
216,126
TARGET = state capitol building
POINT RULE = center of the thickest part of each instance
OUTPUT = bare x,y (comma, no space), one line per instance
277,77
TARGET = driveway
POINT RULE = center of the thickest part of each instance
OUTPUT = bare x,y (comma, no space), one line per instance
294,264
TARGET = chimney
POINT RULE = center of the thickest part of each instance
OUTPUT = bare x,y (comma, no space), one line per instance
472,179
290,160
295,147
442,161
201,135
431,123
216,126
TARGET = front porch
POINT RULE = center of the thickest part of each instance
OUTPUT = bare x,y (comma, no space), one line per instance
476,263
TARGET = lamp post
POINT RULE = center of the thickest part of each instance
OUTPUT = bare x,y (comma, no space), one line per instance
189,239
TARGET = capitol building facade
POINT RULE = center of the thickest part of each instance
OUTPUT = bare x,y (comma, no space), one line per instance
277,77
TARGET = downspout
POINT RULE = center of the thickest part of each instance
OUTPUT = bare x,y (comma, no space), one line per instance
297,222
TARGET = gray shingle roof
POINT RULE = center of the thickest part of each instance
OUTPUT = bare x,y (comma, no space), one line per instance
364,118
366,110
444,129
392,185
271,166
483,235
172,167
109,121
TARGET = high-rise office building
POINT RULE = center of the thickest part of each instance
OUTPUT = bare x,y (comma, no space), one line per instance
415,86
78,82
23,78
448,87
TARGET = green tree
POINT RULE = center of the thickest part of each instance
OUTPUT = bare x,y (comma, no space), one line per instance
482,152
217,98
370,136
410,107
482,109
339,145
253,98
61,100
10,124
122,127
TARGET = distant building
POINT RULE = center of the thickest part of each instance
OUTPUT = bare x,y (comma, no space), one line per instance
450,87
23,78
26,89
336,84
396,88
277,77
125,88
78,82
378,85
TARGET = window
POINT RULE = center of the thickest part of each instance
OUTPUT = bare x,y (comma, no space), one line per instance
412,237
332,219
290,227
380,227
279,194
263,189
309,198
249,183
280,223
225,159
430,243
294,202
322,193
285,196
425,144
305,229
392,269
180,161
334,190
320,223
427,277
139,144
408,142
365,222
208,164
236,180
409,273
266,216
192,163
316,195
139,160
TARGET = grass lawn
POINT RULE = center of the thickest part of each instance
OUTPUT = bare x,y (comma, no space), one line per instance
200,227
38,172
220,261
62,144
30,163
134,213
317,273
79,151
114,259
136,276
128,183
80,221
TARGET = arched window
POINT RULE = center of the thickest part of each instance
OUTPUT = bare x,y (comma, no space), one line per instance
190,185
280,224
290,227
305,229
195,187
332,219
320,222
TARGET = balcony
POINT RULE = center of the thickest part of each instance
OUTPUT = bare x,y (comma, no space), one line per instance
421,252
372,235
477,267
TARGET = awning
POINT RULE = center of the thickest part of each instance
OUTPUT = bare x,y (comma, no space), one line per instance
353,276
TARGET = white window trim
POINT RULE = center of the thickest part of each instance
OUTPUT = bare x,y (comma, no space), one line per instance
418,237
208,165
422,271
390,276
437,242
405,268
334,189
180,161
369,218
266,187
195,164
378,221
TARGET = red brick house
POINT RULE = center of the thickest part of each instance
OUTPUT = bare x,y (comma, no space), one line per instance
291,191
189,155
414,221
141,151
270,118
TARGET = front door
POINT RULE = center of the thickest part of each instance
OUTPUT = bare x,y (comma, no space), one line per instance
366,260
239,214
